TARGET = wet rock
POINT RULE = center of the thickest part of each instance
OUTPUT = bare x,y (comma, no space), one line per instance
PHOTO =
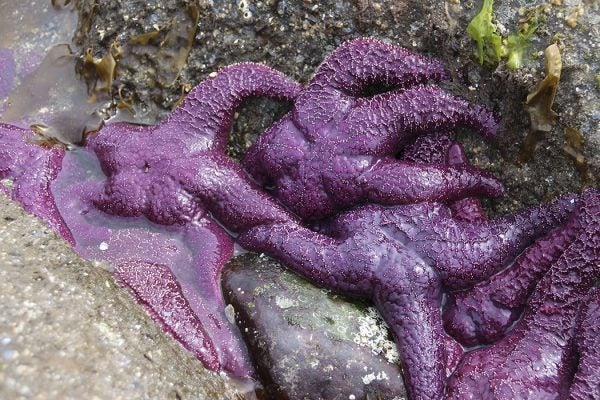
306,342
552,170
67,331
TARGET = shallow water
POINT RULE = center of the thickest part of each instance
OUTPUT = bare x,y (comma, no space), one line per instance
192,252
35,38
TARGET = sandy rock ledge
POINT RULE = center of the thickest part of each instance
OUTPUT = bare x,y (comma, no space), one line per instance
68,332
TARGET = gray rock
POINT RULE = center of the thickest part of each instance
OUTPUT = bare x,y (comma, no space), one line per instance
306,342
68,332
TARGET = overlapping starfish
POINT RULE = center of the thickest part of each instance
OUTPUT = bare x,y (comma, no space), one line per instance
404,258
337,147
146,199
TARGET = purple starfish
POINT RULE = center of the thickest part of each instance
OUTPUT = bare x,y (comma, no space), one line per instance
586,384
337,147
175,174
335,150
179,167
400,257
536,360
30,169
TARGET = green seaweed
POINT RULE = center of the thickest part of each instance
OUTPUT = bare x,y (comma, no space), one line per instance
489,43
518,43
492,47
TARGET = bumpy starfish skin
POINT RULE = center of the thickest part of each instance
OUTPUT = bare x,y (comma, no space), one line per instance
399,257
483,314
536,359
172,170
586,384
175,173
337,148
31,168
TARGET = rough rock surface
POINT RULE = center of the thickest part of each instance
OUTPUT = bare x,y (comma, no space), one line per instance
68,332
309,343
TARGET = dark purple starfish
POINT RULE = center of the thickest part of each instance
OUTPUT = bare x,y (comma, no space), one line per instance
586,384
400,257
336,148
536,360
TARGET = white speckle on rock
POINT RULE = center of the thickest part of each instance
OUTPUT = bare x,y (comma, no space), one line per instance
373,333
230,313
328,368
103,246
284,302
371,377
8,183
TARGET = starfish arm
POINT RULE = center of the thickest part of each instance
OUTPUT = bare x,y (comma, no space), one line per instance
440,148
468,209
351,69
200,281
431,148
541,346
31,168
385,123
359,63
392,182
408,295
232,198
156,288
206,114
466,254
586,383
484,313
340,266
280,147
